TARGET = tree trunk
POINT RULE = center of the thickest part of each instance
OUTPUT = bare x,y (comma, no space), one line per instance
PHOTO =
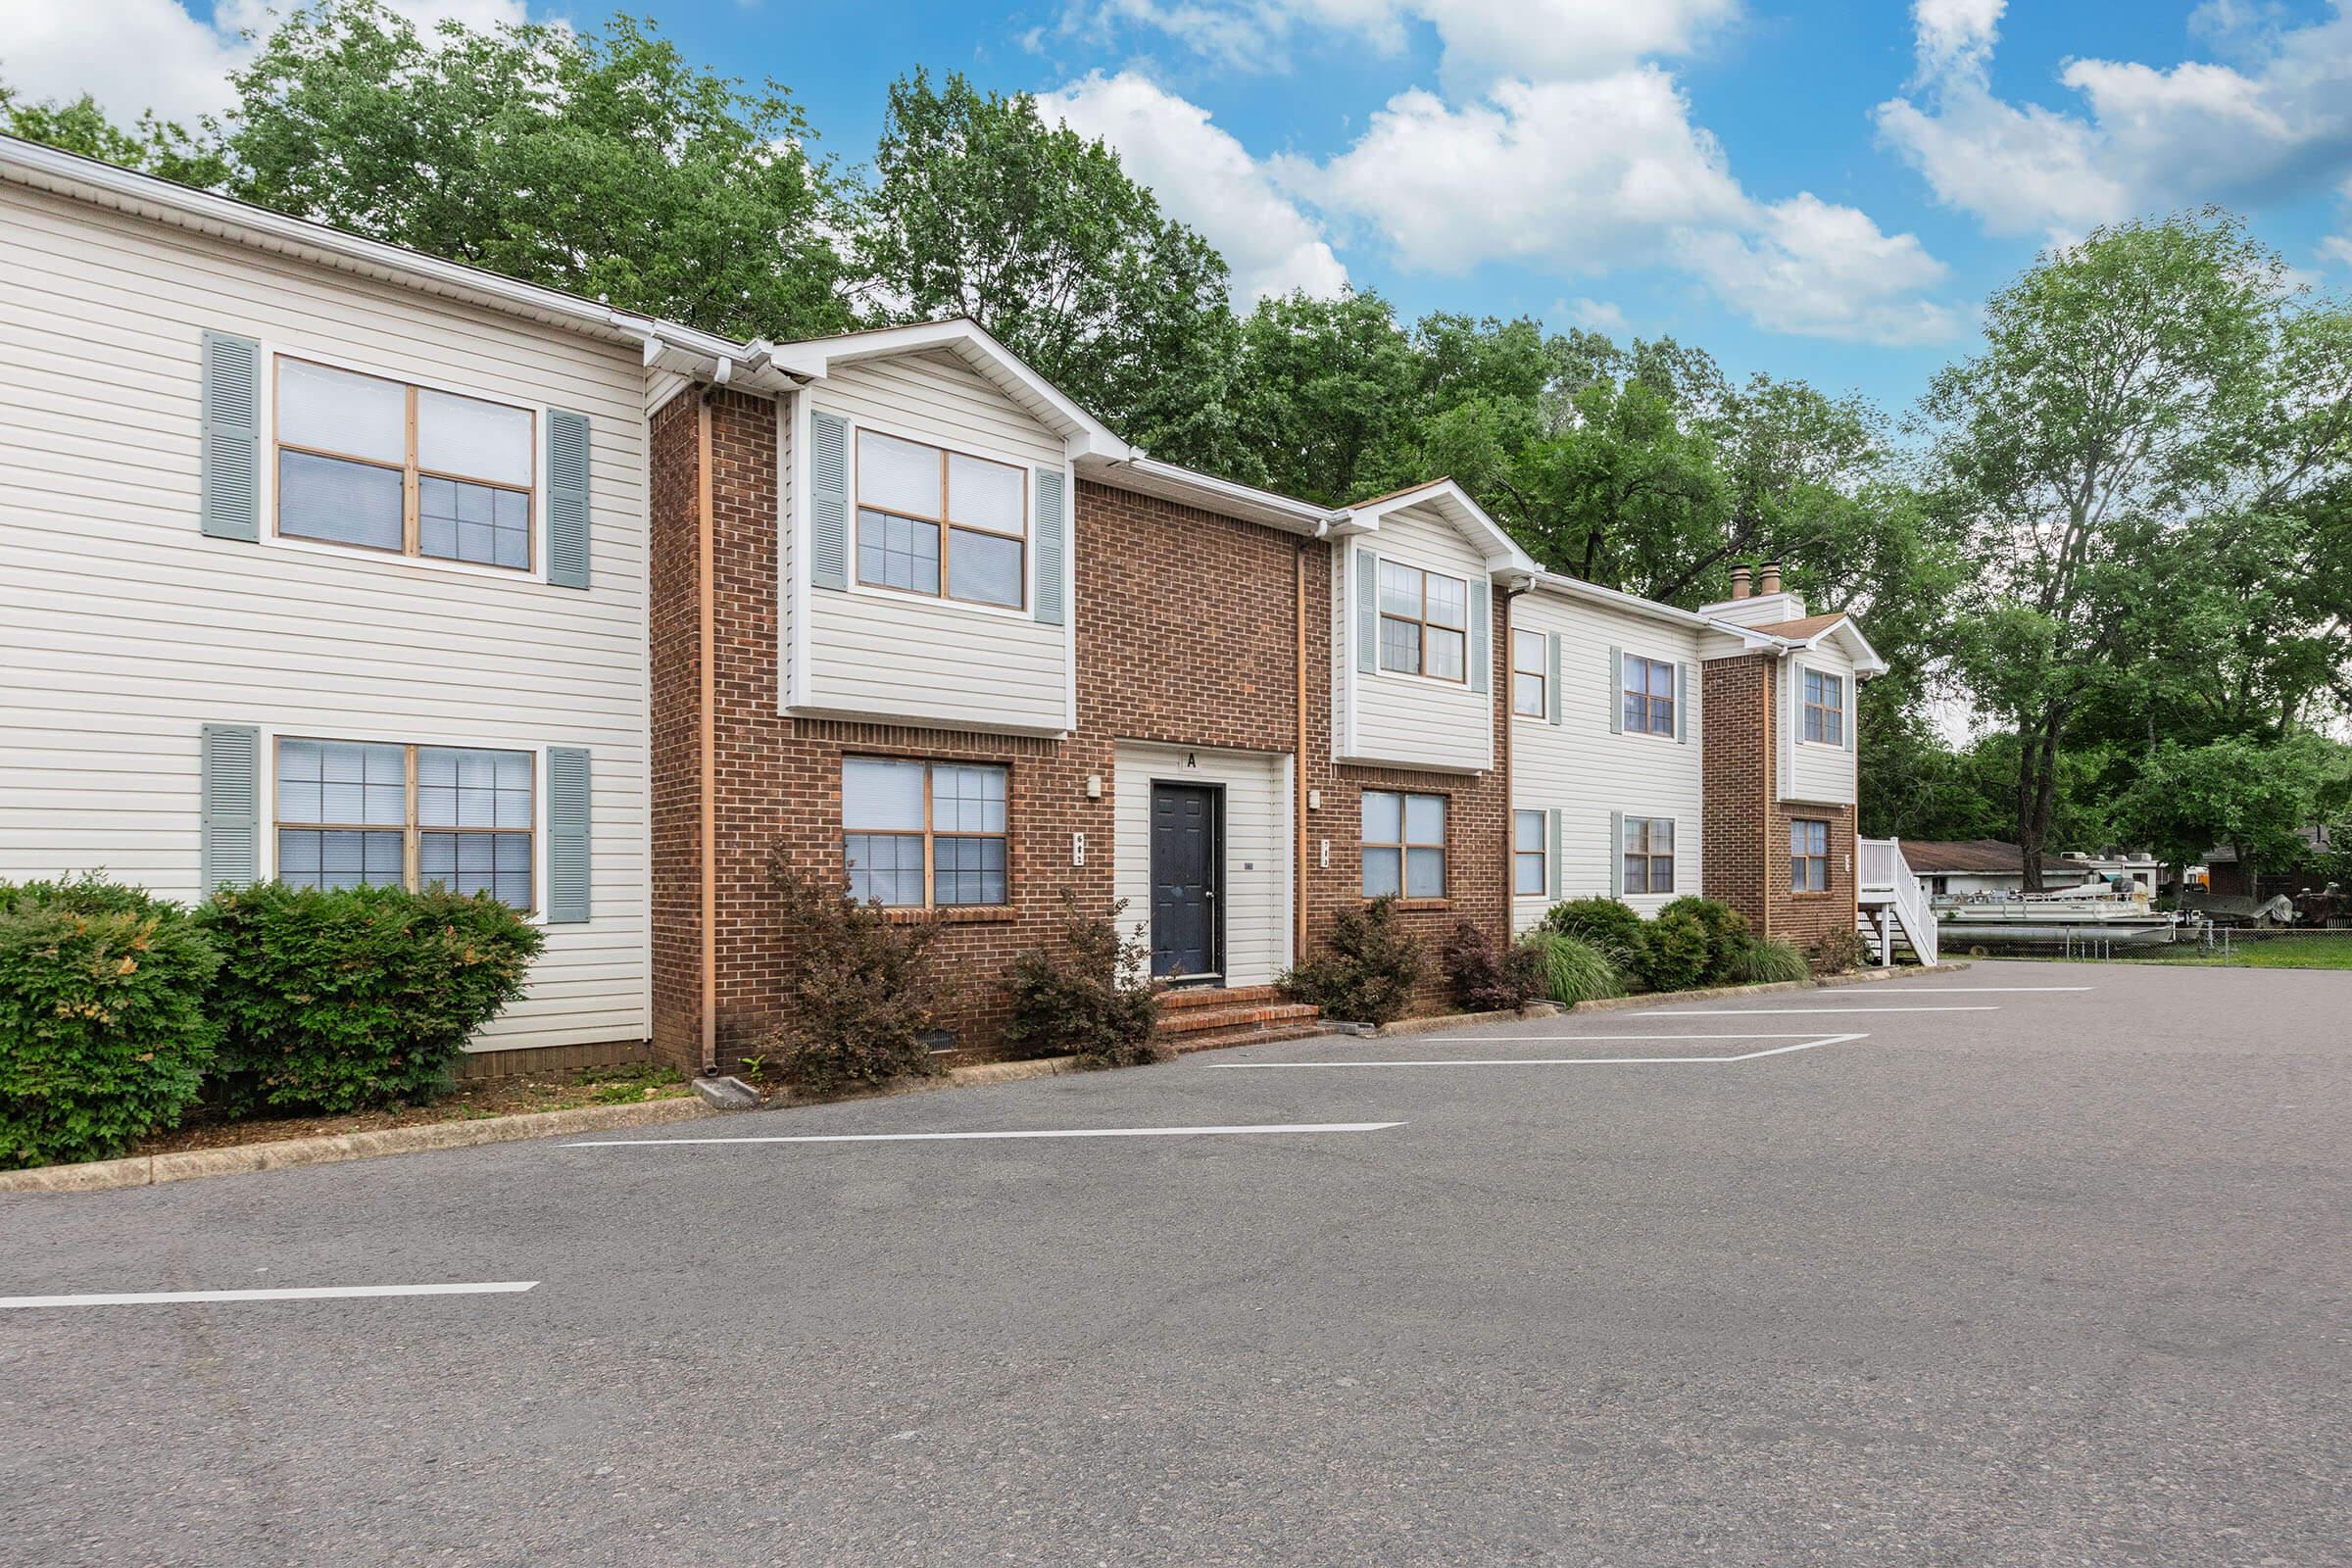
2036,796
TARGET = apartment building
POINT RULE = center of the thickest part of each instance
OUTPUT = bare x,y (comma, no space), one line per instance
333,562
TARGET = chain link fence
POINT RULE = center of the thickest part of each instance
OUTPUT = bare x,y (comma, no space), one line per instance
2218,945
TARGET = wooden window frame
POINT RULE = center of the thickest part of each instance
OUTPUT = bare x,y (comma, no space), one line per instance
1541,854
411,830
947,528
1651,702
1408,844
1798,824
411,473
931,834
1380,646
1823,716
1541,674
1650,855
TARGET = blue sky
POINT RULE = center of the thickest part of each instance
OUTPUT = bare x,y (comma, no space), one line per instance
1820,188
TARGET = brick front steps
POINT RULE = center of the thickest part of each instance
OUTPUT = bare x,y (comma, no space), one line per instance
1202,1020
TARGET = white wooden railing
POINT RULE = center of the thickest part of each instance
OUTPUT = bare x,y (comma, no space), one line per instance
1885,879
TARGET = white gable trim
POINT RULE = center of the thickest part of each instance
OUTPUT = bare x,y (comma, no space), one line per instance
1450,501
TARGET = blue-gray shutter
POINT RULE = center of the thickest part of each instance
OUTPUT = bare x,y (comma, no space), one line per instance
1367,610
229,485
1852,700
228,773
1482,629
1052,530
567,499
1551,693
1682,704
1616,855
1616,691
1559,837
828,502
568,860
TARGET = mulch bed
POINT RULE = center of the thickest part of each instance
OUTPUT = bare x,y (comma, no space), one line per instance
204,1127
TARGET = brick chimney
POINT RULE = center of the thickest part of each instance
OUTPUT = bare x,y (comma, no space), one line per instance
1739,582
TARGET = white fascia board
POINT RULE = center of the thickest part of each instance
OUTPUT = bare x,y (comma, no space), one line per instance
1146,475
102,184
1083,436
1553,582
1503,557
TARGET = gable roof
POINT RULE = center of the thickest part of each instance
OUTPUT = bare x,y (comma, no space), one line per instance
1451,501
161,201
1796,636
1082,434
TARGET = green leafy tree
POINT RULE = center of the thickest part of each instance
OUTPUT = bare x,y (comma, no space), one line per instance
978,208
2237,791
151,145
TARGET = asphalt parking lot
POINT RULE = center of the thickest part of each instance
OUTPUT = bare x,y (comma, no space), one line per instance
1956,1270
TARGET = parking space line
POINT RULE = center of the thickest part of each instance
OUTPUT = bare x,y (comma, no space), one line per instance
318,1292
1798,1012
1066,1131
1986,991
1556,1061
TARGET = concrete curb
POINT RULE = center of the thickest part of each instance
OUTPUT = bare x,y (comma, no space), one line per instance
1430,1023
147,1170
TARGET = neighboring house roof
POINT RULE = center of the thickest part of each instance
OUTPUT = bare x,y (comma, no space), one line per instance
102,184
1966,857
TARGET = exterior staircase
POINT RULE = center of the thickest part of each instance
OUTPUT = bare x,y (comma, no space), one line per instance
1201,1018
1893,910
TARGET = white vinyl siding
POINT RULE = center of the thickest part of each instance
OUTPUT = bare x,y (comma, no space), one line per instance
124,629
1254,888
1583,771
1416,720
874,652
1816,770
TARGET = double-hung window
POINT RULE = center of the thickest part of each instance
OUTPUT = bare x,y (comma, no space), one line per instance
1424,622
366,814
1404,845
1825,707
1648,852
1808,856
934,521
1648,696
1527,855
1530,669
386,466
923,835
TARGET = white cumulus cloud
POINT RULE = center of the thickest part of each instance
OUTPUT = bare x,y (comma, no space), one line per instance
1203,178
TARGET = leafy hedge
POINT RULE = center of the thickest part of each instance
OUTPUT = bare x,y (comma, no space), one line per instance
1085,993
1486,979
1725,929
103,1030
362,997
864,988
1369,974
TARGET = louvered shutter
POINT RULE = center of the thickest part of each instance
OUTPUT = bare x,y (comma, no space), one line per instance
567,499
1616,855
1052,533
1682,704
229,789
1482,629
1560,835
569,798
1551,689
828,502
1616,691
228,486
1853,710
1367,610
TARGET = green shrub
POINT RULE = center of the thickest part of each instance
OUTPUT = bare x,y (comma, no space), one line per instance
1837,953
1486,979
863,990
1085,993
335,1001
1726,928
1368,975
102,1030
1758,961
1674,952
1610,924
1573,970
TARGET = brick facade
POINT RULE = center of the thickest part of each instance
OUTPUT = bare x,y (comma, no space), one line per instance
1747,831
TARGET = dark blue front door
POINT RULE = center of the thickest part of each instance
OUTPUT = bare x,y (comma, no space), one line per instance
1185,861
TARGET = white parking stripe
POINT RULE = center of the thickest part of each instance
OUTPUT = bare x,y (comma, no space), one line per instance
1796,1012
1554,1061
1986,991
1071,1132
319,1293
1505,1040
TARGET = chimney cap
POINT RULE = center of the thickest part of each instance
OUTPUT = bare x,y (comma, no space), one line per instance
1739,589
1771,583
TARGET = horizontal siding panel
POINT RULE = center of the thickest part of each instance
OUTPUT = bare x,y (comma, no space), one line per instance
1408,720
